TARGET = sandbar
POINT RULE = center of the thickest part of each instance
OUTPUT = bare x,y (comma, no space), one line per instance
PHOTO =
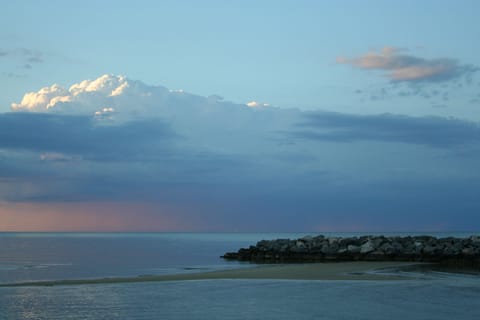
360,270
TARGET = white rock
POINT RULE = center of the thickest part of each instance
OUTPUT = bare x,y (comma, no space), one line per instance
367,247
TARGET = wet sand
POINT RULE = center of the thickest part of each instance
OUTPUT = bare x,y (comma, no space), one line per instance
311,271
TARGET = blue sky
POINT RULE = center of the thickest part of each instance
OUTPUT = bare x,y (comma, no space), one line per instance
372,116
281,52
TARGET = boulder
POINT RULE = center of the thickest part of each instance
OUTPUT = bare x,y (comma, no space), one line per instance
367,247
388,248
353,248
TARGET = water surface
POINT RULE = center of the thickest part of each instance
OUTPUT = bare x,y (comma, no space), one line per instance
50,256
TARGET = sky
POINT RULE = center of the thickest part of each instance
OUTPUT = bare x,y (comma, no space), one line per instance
239,116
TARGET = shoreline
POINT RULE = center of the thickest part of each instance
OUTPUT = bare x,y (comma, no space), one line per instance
359,270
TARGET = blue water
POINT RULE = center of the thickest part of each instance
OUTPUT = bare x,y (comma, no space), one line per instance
55,256
27,256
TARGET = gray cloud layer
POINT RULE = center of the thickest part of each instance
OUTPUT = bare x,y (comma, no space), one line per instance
81,135
228,164
430,131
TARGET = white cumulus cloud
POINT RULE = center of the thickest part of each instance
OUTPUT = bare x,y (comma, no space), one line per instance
112,99
256,104
44,99
85,97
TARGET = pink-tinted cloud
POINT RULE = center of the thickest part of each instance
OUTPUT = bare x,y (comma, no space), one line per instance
400,66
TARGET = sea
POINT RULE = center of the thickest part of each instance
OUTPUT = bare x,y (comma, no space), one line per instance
26,257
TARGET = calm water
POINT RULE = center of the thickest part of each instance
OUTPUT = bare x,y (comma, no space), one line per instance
27,256
49,256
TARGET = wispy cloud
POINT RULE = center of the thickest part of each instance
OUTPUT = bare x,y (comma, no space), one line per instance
21,59
400,66
27,55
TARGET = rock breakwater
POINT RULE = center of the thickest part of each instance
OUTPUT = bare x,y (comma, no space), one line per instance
462,252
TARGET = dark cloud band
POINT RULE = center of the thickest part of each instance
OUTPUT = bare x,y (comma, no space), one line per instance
81,135
430,131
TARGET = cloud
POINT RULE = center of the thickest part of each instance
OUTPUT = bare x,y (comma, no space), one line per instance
55,156
116,99
128,133
255,104
429,131
32,56
55,96
25,59
107,91
12,75
53,135
27,56
121,97
45,98
227,164
402,67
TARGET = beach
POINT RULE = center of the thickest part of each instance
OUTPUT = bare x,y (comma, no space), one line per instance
360,270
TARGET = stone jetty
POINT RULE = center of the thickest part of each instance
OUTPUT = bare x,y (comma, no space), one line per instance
461,252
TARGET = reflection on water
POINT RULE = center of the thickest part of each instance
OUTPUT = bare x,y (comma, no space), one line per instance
242,299
26,256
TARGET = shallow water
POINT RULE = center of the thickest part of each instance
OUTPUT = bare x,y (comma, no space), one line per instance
242,299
